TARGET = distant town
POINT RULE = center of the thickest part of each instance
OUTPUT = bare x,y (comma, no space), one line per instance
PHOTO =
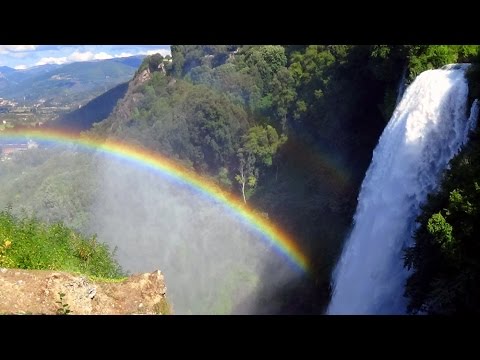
13,113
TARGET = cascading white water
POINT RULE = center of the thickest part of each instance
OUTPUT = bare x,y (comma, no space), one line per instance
427,129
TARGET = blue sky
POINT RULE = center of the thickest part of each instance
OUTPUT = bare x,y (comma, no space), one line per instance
25,56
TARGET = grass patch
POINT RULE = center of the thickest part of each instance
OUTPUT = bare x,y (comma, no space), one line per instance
30,244
97,279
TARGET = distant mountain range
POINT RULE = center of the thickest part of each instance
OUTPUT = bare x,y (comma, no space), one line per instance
6,70
68,83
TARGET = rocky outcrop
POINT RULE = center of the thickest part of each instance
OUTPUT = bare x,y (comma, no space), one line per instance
55,292
124,107
140,78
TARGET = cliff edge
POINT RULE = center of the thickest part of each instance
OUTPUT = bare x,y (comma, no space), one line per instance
56,292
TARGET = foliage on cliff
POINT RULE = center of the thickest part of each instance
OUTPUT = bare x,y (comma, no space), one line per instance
27,243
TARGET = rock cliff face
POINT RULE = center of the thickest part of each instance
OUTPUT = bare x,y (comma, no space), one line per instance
55,292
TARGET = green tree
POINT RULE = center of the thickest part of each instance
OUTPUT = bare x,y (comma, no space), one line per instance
441,230
260,145
283,95
263,142
267,60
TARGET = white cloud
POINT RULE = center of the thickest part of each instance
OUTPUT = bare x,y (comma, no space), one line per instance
88,56
20,67
80,56
163,52
16,48
76,56
102,56
124,54
52,60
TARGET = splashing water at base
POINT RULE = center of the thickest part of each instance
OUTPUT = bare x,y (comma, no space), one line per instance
427,129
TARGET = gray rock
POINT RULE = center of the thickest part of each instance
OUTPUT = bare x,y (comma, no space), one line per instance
92,292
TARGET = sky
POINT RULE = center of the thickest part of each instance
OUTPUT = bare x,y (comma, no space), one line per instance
25,56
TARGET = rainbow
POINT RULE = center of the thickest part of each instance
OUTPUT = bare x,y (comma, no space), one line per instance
279,239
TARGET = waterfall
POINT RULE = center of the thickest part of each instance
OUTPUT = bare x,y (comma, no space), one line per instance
427,128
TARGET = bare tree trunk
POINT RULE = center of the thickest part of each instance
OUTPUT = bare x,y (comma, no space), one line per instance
242,179
243,192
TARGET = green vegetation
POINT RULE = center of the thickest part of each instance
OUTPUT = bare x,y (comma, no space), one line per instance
30,244
54,185
63,308
425,57
259,146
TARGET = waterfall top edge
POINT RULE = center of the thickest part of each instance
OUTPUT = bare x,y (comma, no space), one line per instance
458,66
